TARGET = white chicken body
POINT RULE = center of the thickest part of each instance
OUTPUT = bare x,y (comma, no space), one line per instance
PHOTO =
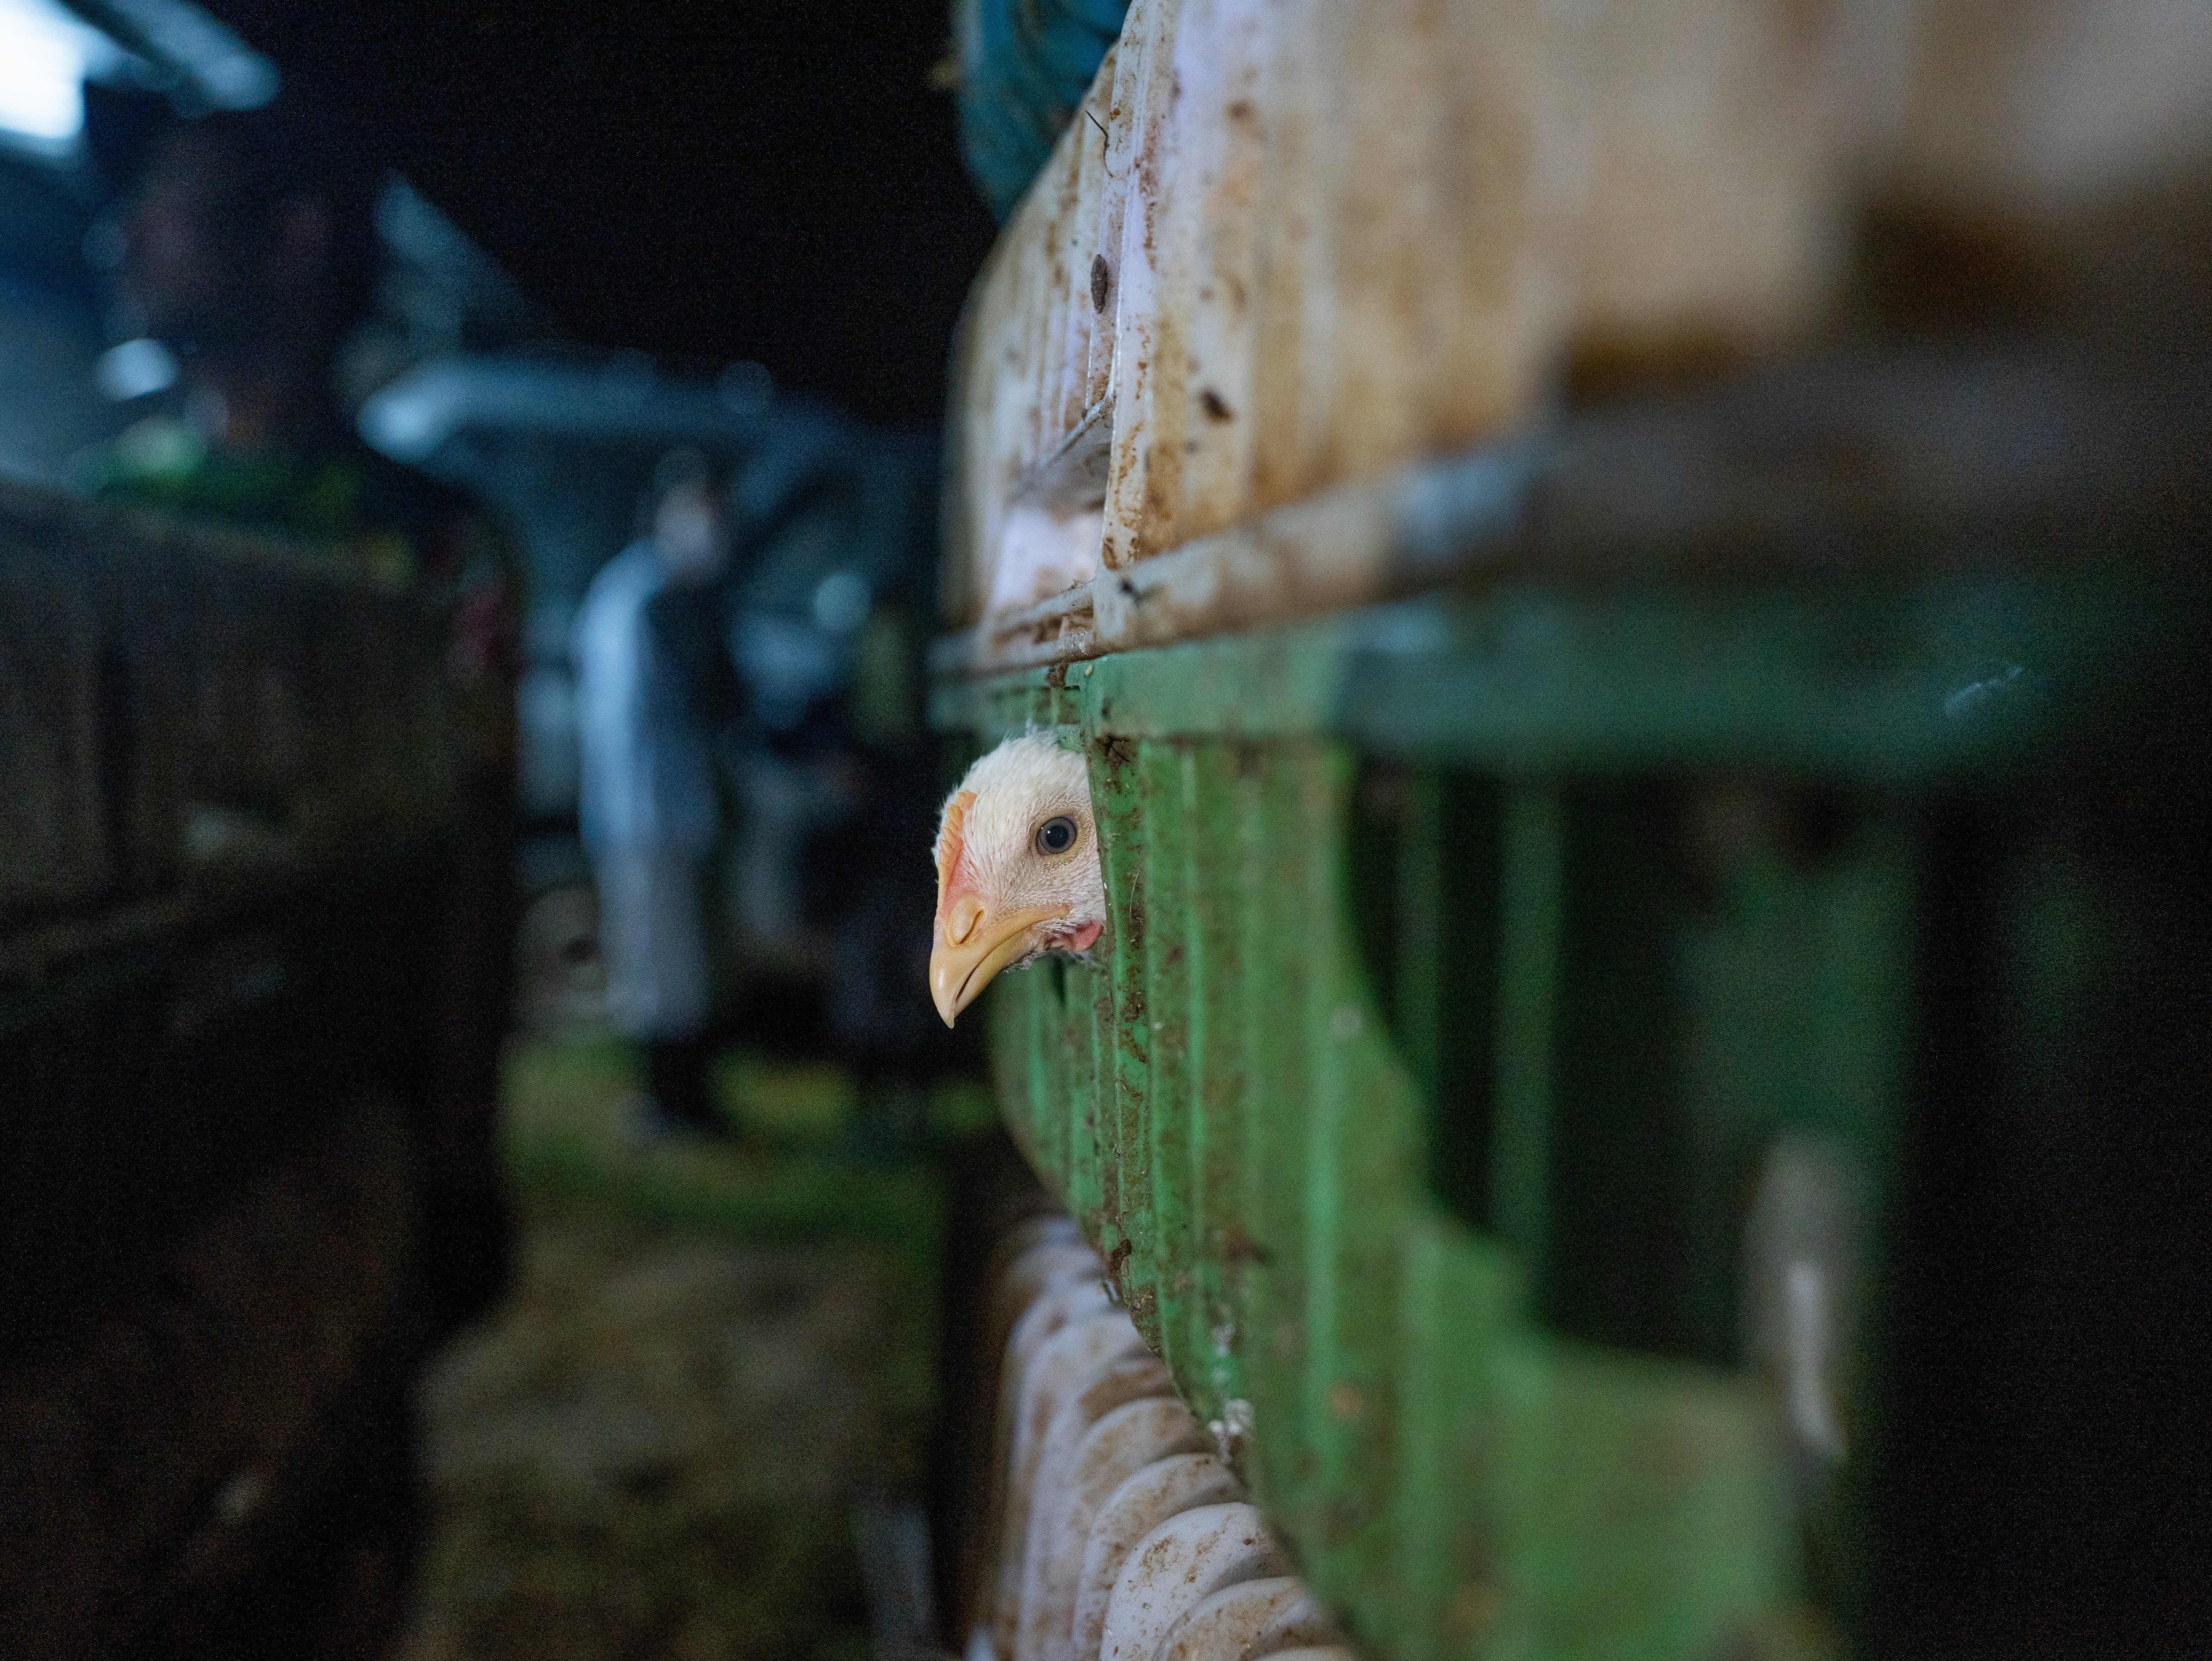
1017,871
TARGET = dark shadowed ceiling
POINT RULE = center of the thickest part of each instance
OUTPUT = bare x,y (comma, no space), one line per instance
765,179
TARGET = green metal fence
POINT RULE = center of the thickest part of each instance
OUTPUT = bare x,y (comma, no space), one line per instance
1520,1092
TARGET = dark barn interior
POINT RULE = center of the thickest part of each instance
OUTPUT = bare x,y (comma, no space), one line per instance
1103,829
767,183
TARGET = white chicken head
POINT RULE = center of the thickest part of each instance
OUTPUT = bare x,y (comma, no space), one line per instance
1017,872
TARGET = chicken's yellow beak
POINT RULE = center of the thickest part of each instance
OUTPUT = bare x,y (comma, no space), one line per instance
972,946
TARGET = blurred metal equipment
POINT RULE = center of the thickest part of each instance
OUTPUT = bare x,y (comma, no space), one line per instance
826,616
431,414
560,443
192,54
52,321
437,295
51,326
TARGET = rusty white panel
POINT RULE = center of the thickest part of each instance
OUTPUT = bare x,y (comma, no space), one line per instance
1156,226
986,453
2036,109
1202,441
1248,1622
1359,542
1117,84
1079,315
1177,1567
1719,134
1044,550
1293,304
1321,241
1046,321
1123,1442
1325,257
1160,1491
1023,361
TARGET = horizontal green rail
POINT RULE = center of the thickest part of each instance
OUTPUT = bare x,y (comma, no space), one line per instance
1895,682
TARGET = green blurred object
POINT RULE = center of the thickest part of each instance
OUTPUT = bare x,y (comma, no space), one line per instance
810,1106
568,1131
1614,1085
568,1135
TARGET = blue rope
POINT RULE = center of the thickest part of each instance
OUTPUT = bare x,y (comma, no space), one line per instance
1024,66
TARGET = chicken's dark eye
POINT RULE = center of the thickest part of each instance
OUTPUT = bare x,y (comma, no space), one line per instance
1056,835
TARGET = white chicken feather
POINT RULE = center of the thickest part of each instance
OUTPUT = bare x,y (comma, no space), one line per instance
1017,872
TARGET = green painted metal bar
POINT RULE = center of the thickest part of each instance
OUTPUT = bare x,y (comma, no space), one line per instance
1228,1053
1175,1113
1419,920
1890,683
1279,1040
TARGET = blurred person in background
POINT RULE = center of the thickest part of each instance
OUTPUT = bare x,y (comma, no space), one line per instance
836,534
249,249
650,681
